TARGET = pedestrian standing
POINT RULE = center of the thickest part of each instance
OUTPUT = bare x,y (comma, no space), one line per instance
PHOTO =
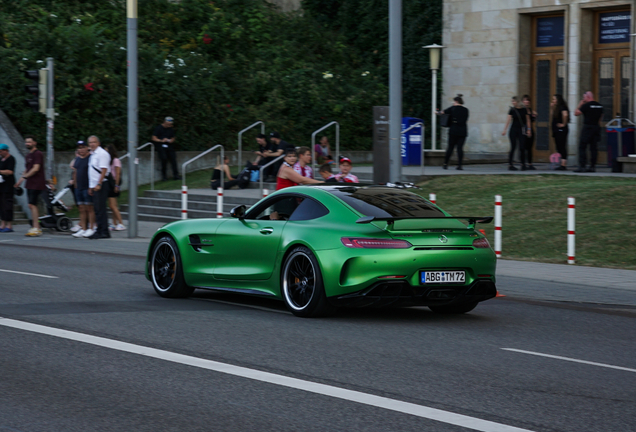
7,180
519,122
560,130
163,137
287,176
457,130
35,182
115,170
98,169
528,142
303,165
84,199
592,113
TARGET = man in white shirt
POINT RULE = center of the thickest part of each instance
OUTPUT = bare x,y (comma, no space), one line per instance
98,168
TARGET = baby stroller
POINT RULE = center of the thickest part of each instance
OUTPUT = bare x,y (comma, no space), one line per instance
58,221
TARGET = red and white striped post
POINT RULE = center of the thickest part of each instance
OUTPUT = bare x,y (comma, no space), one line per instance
219,202
498,225
184,202
265,192
432,198
571,229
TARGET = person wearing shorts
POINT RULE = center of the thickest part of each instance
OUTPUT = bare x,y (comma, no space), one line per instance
35,182
83,198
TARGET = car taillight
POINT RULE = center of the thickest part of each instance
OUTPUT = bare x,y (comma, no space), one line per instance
371,243
481,243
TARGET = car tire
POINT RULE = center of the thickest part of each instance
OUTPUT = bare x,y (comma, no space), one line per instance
302,287
460,308
166,270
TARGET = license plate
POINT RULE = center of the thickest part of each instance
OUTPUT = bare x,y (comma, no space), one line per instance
456,277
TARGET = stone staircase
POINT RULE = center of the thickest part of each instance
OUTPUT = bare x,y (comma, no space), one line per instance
165,205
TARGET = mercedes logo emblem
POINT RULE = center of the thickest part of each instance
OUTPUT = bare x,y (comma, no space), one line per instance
443,239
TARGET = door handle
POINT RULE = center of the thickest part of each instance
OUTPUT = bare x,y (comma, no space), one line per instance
267,230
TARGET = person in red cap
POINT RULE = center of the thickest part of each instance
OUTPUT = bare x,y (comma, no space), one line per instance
345,171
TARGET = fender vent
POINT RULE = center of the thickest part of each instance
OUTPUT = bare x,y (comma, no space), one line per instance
195,242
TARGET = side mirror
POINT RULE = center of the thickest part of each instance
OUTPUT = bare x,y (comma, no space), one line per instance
238,212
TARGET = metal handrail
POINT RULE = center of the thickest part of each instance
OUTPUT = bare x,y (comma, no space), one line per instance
313,143
260,170
183,166
413,126
240,140
152,162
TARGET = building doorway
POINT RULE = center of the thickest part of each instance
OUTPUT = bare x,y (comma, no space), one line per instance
611,67
548,77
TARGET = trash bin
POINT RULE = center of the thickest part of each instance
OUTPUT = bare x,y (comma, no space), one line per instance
620,141
411,141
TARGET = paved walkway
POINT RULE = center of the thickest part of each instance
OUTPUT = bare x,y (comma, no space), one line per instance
516,279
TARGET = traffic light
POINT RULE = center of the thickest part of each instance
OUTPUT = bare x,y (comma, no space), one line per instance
37,88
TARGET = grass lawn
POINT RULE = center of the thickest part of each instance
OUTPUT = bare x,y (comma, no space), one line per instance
534,214
534,226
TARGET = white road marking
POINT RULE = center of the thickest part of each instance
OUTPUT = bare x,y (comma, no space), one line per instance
2,241
29,274
270,378
570,359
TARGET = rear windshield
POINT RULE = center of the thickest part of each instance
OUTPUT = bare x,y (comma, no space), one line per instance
385,202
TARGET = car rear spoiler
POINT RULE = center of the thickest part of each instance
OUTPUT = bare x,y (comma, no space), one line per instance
472,220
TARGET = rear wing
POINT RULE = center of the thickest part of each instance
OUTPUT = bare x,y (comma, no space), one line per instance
472,220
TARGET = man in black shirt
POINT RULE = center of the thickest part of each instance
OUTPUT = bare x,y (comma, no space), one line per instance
592,113
280,149
163,137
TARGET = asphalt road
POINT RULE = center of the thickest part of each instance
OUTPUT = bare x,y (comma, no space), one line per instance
91,347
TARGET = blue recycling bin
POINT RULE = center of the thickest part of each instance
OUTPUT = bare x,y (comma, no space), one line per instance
411,141
620,141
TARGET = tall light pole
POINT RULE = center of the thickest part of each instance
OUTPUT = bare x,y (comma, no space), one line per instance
434,55
133,115
395,90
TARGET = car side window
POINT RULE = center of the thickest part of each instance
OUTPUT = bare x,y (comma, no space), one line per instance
308,209
276,209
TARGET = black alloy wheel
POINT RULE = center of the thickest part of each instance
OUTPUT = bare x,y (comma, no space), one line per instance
166,271
302,286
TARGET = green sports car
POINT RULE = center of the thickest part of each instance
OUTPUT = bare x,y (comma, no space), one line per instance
318,248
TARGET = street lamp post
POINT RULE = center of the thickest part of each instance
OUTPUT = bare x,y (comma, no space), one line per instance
434,55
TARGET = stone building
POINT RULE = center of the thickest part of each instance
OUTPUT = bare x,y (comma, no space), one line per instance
495,49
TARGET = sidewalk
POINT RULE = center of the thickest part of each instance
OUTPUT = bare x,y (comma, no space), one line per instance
516,279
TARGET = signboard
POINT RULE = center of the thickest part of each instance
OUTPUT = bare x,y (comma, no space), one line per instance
381,155
614,27
550,32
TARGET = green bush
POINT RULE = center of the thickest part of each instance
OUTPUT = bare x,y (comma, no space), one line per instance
216,67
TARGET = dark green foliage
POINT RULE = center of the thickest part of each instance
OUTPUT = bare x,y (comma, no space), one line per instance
216,67
364,25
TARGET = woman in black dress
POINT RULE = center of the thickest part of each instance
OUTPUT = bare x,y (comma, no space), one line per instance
529,141
560,130
519,122
457,130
